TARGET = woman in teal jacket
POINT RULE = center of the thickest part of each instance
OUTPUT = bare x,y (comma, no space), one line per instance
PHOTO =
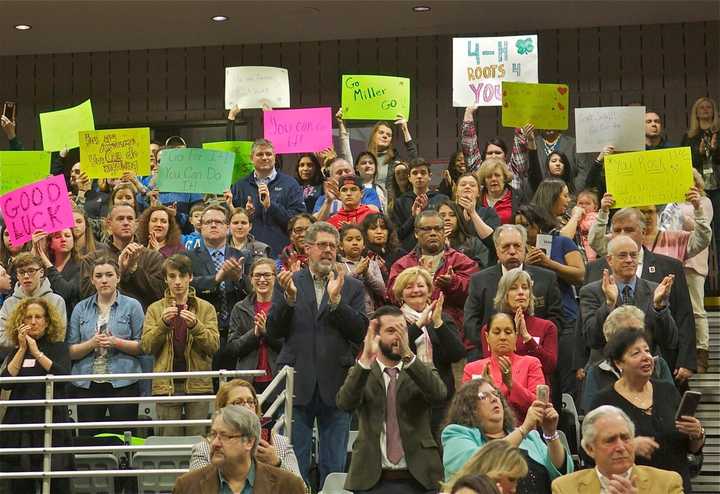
479,413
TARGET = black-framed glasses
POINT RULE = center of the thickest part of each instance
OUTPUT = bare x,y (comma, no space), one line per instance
260,276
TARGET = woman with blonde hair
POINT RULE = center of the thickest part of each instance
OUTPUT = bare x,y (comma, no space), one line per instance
500,461
497,192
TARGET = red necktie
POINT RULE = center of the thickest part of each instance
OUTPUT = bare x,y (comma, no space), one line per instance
393,442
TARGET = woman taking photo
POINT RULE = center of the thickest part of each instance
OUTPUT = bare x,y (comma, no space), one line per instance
38,331
104,338
660,440
247,341
480,414
516,376
157,230
240,236
309,175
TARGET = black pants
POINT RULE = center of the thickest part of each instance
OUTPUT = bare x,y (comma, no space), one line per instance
97,413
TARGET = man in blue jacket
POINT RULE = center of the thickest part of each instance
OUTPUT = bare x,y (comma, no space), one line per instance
271,198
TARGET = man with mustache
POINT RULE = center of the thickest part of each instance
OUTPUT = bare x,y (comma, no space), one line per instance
394,452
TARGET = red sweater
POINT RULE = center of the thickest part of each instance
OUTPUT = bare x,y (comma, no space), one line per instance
355,216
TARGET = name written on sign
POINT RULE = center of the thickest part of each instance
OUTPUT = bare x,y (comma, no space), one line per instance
361,93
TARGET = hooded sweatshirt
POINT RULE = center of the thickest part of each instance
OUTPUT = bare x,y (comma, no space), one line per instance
42,291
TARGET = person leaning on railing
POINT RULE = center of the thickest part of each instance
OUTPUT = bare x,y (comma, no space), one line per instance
38,331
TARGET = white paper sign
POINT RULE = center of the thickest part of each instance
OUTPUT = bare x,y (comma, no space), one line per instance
544,243
481,64
620,126
251,87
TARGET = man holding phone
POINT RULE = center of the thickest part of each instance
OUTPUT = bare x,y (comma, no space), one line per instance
270,196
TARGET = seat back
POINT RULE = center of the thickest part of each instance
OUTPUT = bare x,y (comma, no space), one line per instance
335,484
94,485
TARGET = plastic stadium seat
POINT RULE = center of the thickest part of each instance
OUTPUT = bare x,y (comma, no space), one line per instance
335,484
94,485
177,459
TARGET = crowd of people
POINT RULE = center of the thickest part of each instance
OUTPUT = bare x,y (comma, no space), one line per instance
444,323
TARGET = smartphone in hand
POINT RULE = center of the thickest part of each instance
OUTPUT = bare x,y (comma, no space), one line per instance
688,404
9,108
543,393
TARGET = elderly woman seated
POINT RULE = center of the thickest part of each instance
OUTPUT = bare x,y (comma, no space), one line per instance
479,414
602,374
537,337
516,376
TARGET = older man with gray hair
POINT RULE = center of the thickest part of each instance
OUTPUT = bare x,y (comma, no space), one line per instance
608,438
234,436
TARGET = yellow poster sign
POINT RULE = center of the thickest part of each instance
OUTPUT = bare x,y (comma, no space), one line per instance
111,153
543,105
647,178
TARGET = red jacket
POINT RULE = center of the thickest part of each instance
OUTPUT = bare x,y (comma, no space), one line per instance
455,294
355,216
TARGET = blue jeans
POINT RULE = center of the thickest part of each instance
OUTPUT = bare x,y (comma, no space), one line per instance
334,429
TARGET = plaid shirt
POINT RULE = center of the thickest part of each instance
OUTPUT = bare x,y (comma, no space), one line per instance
518,162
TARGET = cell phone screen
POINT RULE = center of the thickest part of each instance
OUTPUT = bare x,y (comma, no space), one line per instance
688,404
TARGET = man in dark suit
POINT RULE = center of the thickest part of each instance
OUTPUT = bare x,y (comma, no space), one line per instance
218,274
510,244
321,315
623,287
395,450
654,267
234,436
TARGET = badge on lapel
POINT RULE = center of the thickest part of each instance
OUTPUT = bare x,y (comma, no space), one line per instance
651,269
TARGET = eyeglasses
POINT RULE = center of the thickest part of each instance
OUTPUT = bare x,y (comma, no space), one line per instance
224,438
245,403
484,395
214,222
426,229
27,272
300,229
325,245
260,276
624,255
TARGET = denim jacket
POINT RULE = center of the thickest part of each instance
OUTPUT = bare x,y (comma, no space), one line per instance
125,321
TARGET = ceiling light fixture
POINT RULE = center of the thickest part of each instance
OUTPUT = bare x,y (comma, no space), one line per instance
23,27
421,8
219,18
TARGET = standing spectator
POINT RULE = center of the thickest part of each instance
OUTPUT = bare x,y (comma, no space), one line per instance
241,238
293,255
181,332
361,267
8,127
158,230
395,450
61,262
309,175
456,167
557,165
366,166
474,154
8,252
273,197
461,236
351,189
654,137
83,235
194,238
329,202
482,220
497,193
382,241
320,313
104,338
248,343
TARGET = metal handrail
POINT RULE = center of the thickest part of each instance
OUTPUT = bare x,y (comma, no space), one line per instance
284,398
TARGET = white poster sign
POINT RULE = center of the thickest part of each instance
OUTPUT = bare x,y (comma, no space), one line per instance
253,87
622,127
481,64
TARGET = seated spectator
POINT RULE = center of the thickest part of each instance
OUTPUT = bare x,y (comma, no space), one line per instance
432,333
104,338
479,414
361,267
293,257
623,287
329,203
61,262
241,238
248,343
608,437
308,174
516,376
366,167
352,211
502,463
272,449
395,450
140,268
662,441
31,283
272,196
382,241
37,331
234,439
462,237
407,207
181,332
450,269
537,337
475,484
604,373
158,230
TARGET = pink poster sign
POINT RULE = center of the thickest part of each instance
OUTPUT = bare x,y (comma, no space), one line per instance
42,205
302,130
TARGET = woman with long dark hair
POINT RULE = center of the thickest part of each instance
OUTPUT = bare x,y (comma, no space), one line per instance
308,174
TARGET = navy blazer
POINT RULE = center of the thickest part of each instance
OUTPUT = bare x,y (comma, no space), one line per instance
204,277
321,344
655,268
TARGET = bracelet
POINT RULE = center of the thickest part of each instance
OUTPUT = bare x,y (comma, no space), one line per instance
553,437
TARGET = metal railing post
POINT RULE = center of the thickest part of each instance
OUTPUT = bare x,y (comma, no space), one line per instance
289,395
47,436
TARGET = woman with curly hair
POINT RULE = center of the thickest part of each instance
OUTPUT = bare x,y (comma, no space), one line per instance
158,230
382,241
38,331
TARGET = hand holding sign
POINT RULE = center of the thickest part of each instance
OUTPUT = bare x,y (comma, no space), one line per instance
299,131
375,97
60,129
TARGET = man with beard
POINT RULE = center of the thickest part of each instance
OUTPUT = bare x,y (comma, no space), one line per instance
394,452
511,246
234,436
321,315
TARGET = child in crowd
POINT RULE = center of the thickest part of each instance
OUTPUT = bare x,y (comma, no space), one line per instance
357,263
193,239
